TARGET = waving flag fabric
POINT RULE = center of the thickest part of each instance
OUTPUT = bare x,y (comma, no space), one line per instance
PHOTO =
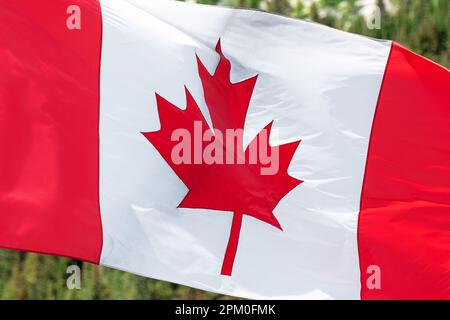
228,150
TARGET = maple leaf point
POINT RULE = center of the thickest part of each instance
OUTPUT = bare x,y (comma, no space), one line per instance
240,185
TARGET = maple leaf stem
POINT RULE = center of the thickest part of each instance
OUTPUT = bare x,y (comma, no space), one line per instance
230,253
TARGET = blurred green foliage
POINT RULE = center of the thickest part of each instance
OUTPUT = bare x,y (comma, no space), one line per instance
421,25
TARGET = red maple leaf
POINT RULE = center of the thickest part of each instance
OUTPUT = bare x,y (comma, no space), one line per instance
238,185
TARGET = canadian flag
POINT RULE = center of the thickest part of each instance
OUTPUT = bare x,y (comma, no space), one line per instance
229,150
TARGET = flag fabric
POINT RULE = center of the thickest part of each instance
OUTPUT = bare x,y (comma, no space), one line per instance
114,150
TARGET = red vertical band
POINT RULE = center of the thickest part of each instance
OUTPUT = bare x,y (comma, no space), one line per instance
404,224
49,118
